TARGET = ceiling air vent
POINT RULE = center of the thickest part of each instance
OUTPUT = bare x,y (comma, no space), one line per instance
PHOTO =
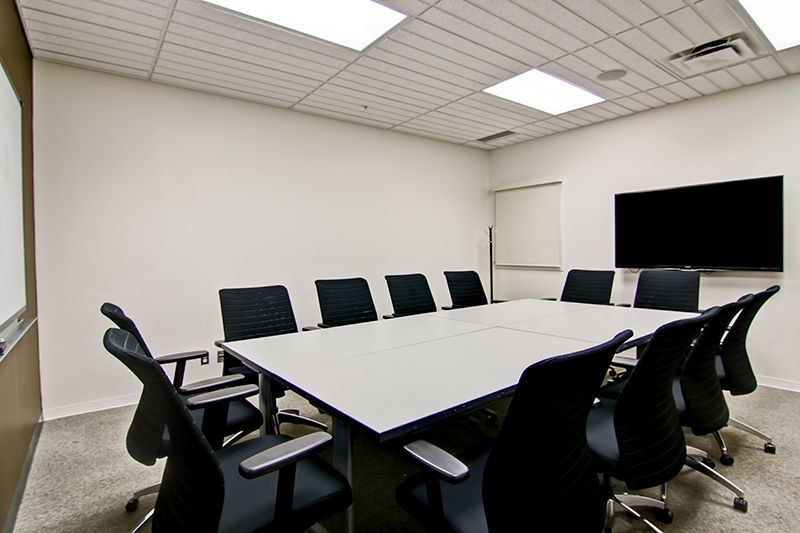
710,56
495,136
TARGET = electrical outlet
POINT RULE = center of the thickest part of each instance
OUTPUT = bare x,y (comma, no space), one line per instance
220,356
204,360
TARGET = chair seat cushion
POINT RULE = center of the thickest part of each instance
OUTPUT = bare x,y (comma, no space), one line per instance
242,416
462,502
602,437
249,503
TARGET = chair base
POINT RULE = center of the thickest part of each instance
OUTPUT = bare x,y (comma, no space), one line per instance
769,447
702,466
144,522
724,458
626,502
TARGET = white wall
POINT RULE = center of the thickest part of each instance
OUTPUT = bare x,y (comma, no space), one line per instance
155,197
748,132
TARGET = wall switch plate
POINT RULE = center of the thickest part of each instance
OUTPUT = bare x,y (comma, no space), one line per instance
220,356
204,360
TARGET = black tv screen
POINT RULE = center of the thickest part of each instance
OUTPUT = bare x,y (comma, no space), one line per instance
731,225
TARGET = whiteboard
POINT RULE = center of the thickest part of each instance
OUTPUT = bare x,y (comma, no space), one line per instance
12,240
528,218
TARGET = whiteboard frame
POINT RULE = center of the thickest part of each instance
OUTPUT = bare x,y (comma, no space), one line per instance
524,184
6,328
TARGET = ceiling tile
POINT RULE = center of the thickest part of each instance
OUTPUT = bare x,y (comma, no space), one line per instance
633,11
723,80
689,23
499,27
425,76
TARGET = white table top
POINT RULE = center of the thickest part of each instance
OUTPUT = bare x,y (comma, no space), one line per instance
392,376
387,390
504,313
598,323
284,353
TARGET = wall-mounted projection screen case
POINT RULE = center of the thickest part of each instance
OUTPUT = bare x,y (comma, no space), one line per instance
528,224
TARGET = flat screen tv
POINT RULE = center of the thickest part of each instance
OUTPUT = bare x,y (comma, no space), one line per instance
731,225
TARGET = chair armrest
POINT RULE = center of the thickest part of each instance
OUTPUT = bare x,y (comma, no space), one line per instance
283,454
211,384
310,328
221,395
183,356
550,299
437,460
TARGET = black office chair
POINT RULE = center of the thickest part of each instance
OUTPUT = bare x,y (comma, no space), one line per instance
588,286
520,480
345,301
637,436
148,439
117,316
410,294
733,363
254,312
698,396
465,289
670,290
269,483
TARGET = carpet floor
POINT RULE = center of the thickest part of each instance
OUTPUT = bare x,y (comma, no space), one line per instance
81,475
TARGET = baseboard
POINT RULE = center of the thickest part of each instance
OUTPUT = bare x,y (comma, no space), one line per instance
11,518
779,383
52,413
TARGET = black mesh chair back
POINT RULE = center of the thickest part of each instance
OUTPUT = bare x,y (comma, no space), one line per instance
345,301
197,505
699,399
465,288
588,286
125,323
737,376
252,312
671,290
648,430
561,490
410,294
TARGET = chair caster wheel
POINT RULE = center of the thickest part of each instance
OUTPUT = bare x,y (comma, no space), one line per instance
132,505
709,462
740,504
770,448
665,516
726,459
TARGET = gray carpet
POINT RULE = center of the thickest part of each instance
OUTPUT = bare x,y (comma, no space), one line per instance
82,476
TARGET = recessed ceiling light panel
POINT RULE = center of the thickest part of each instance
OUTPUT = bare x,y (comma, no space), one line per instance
778,19
543,92
352,23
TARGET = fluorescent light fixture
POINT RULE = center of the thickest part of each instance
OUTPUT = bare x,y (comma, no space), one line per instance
352,23
543,92
778,19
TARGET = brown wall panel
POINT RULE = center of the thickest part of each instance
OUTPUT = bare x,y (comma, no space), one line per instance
20,390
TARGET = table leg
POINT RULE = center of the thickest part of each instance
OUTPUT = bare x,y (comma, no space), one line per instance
266,403
343,463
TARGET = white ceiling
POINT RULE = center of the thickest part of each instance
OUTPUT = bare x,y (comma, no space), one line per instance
426,75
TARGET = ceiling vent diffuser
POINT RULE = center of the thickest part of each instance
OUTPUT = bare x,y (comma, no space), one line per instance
713,55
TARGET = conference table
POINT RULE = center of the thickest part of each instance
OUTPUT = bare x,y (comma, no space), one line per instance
393,378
